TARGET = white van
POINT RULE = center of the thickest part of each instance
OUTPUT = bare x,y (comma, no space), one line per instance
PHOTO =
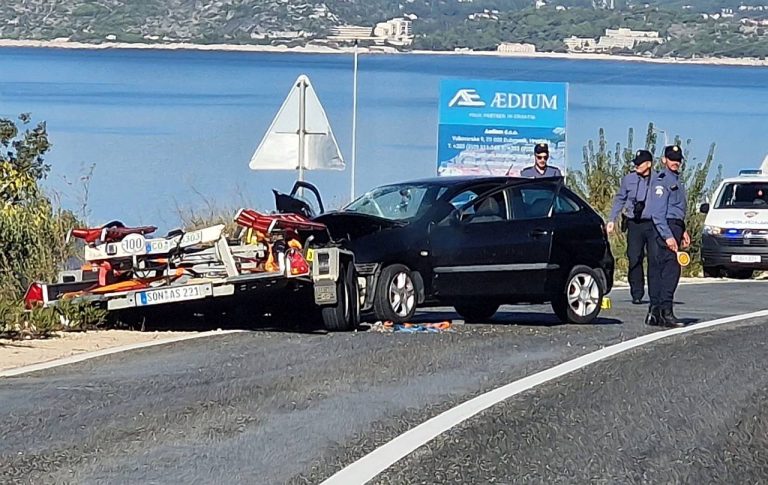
735,237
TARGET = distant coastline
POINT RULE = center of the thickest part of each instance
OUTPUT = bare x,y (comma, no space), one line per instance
316,49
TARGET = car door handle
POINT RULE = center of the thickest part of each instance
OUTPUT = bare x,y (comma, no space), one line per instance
539,233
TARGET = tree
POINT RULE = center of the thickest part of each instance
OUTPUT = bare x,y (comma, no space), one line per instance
32,230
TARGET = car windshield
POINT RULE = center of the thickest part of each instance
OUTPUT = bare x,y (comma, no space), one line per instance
393,202
744,195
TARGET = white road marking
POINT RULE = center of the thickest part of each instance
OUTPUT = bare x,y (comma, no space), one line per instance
369,466
114,350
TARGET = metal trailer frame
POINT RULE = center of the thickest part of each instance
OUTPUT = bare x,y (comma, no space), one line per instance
327,266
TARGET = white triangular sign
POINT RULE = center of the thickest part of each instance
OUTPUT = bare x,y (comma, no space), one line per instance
280,147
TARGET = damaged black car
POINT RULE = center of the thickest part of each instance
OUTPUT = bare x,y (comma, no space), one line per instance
474,243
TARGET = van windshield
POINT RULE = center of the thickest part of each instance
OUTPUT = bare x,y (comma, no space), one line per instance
744,195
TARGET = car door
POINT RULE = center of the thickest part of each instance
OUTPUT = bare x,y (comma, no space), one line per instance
467,253
507,257
531,229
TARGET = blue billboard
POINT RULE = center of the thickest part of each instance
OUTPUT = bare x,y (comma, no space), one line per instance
491,127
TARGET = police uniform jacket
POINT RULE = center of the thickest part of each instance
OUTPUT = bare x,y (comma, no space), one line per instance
531,172
634,188
667,201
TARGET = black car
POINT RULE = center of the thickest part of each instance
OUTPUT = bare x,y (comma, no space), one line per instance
475,243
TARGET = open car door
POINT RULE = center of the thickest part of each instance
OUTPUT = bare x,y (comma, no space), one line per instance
294,203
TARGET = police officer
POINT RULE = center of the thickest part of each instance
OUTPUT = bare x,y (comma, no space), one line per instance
667,206
540,168
631,203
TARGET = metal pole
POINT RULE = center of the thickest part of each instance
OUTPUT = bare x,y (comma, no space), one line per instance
354,125
302,125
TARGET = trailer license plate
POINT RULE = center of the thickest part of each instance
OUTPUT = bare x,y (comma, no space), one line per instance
169,295
745,258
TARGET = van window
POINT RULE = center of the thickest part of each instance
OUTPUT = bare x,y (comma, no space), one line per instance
744,195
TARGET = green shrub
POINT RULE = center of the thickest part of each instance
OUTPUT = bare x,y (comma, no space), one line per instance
600,178
32,229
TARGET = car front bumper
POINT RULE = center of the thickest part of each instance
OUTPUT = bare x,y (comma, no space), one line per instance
724,252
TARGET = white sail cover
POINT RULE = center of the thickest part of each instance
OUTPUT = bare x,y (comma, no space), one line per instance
279,149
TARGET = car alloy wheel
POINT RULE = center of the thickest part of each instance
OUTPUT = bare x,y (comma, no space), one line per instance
402,294
583,294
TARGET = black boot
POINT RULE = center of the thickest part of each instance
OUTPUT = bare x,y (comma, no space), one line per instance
669,318
654,317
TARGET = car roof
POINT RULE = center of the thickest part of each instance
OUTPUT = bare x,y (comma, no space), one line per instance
466,180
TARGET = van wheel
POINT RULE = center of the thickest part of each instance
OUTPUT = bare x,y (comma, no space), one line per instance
395,298
476,312
581,298
740,274
345,314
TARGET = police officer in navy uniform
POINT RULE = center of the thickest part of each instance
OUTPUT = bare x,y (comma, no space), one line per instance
540,168
631,202
667,204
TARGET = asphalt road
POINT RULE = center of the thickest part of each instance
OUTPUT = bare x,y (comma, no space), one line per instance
277,407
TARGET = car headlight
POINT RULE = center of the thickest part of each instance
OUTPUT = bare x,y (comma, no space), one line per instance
713,230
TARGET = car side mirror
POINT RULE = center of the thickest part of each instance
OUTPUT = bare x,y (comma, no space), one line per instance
704,208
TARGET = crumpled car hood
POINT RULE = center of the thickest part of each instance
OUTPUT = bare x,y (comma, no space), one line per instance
351,225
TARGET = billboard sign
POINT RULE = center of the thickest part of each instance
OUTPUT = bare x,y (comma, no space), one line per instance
491,127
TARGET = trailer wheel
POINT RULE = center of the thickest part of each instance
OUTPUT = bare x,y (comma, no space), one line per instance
345,314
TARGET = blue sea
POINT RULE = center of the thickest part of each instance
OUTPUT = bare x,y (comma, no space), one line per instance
170,131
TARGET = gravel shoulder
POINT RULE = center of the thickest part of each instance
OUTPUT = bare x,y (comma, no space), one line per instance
21,353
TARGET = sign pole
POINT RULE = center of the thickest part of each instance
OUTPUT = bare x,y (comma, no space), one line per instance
302,125
354,125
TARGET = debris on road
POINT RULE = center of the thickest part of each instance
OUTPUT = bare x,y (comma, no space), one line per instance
390,327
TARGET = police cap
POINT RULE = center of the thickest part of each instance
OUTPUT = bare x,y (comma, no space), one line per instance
673,152
541,148
642,156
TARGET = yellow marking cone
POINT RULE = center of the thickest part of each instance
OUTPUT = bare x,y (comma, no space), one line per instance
606,303
683,258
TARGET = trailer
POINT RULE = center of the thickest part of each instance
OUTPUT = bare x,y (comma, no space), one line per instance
127,270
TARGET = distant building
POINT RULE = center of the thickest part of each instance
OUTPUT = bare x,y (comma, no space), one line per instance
580,44
613,39
515,48
350,33
486,14
398,31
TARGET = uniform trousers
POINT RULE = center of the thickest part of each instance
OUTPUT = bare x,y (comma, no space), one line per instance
640,234
663,268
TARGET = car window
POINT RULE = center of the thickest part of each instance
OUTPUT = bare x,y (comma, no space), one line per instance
394,202
531,201
564,204
492,208
744,195
463,198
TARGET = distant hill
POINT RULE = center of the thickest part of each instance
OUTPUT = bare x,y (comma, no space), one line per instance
437,24
231,21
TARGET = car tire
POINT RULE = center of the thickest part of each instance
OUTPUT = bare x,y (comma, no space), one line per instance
581,298
396,296
476,312
740,274
711,272
345,314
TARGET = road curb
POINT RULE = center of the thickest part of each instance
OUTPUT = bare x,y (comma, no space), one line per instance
113,350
